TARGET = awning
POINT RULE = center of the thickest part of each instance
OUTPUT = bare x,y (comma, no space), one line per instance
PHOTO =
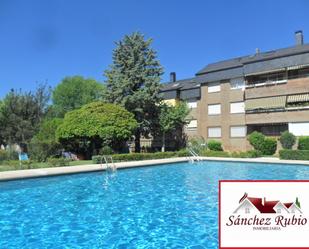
298,98
265,103
268,71
297,67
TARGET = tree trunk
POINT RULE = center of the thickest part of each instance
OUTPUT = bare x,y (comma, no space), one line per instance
137,142
163,142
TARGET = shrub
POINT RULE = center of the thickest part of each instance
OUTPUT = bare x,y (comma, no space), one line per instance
294,154
256,139
8,154
303,143
41,150
247,154
287,140
183,153
58,162
106,150
214,153
215,145
3,155
269,146
136,156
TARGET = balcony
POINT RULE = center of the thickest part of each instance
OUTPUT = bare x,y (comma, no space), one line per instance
279,83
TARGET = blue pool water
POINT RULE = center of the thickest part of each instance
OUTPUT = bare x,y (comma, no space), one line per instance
170,206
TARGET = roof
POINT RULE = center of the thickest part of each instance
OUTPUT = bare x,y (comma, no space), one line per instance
262,56
180,85
288,204
267,206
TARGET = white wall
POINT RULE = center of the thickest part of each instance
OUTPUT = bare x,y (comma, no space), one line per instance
299,129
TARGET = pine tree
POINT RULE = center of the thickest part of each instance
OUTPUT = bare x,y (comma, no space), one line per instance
133,81
297,202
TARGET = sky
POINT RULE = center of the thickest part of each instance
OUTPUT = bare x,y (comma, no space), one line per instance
45,41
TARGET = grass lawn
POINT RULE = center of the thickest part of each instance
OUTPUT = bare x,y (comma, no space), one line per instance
37,165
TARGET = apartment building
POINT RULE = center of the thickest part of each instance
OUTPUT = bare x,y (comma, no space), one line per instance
266,92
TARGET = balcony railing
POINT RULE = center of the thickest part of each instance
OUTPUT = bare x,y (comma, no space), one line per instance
277,81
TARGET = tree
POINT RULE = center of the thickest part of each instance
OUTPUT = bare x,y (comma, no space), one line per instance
45,144
297,203
95,125
74,92
133,81
21,113
172,118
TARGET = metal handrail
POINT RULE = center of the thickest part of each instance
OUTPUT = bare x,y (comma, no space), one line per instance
194,155
111,167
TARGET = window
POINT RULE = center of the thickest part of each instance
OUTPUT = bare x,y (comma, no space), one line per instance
214,109
279,211
278,77
299,129
237,83
192,125
238,131
214,132
192,104
247,210
214,87
268,129
237,107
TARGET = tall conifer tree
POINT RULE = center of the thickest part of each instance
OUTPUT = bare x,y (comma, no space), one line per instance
133,81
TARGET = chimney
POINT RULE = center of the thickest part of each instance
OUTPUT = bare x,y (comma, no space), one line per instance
299,38
172,77
263,201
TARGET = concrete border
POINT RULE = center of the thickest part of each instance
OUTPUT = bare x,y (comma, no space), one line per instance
272,160
43,172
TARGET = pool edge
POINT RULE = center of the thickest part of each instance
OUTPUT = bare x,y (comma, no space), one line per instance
55,171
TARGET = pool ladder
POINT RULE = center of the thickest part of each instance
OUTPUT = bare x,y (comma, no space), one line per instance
194,156
109,162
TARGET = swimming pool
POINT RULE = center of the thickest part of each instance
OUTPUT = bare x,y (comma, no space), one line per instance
168,206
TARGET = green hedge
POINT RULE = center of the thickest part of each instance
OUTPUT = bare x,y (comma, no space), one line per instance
58,162
303,143
269,146
182,153
294,154
247,154
140,156
287,140
214,145
260,142
214,153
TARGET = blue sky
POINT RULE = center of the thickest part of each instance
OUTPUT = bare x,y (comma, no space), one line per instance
43,40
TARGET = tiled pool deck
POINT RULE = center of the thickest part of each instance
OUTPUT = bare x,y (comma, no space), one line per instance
30,173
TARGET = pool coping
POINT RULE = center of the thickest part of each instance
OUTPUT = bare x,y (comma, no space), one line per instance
43,172
54,171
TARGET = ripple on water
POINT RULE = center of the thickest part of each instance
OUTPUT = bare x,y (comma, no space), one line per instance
171,206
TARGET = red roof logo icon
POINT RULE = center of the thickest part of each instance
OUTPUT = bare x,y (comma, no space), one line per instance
249,205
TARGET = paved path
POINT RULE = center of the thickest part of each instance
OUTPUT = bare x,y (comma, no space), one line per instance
30,173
